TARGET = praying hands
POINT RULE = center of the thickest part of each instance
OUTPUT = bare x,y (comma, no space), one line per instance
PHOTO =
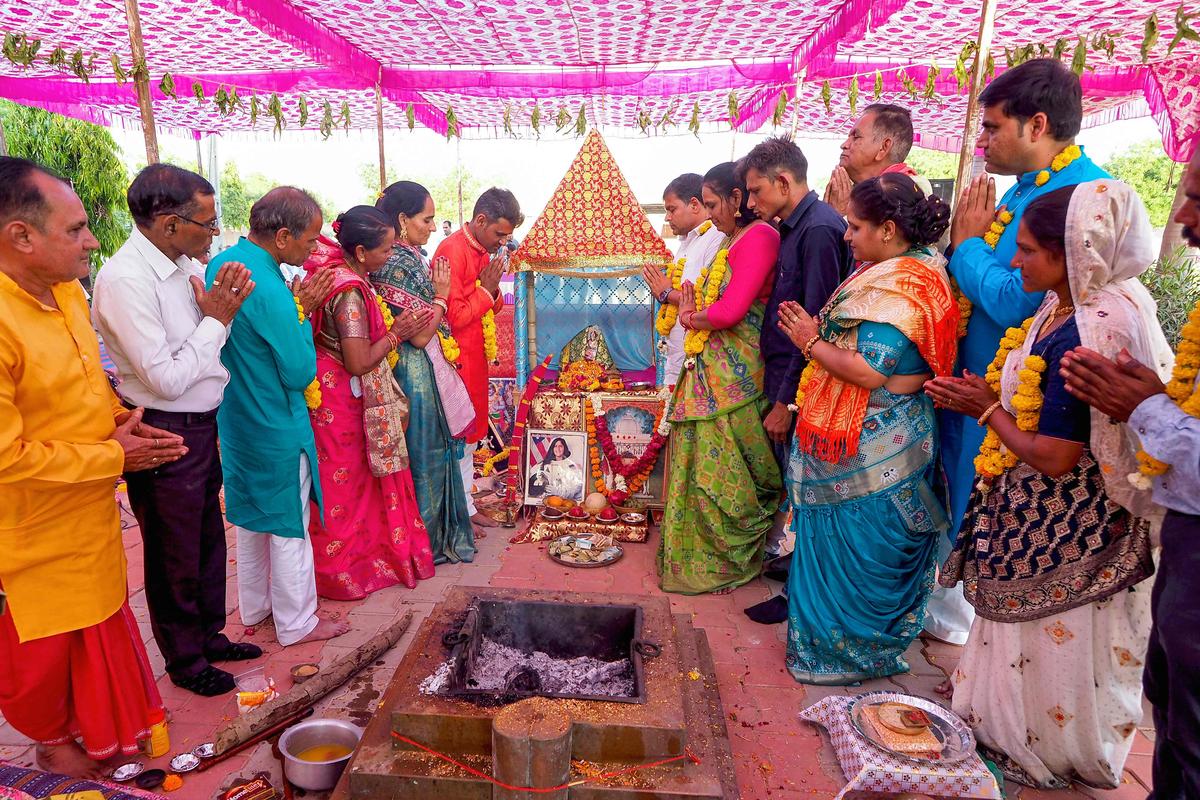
837,193
968,395
799,326
1114,388
975,212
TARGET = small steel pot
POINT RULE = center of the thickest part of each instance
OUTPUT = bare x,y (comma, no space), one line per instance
316,776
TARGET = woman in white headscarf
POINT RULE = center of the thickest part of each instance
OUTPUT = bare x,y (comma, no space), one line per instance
1055,549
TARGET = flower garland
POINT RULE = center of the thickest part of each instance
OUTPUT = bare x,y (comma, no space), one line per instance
992,461
705,227
628,477
388,320
450,349
708,289
964,307
1060,162
489,466
312,392
491,349
809,370
518,434
1182,390
580,376
669,313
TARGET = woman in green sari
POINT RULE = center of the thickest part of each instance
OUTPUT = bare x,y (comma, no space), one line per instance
724,483
440,408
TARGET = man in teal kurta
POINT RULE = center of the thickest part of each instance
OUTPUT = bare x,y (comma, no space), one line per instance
267,449
1031,115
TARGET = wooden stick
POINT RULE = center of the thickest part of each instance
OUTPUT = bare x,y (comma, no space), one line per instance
379,128
141,81
258,738
966,156
308,693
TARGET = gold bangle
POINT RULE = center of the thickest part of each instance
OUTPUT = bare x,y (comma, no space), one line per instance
806,351
987,414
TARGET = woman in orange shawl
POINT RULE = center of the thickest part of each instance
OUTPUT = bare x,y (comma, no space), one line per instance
861,474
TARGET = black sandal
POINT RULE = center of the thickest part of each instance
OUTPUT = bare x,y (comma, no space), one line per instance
235,651
209,682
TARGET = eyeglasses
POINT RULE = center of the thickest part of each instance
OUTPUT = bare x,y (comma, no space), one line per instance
212,227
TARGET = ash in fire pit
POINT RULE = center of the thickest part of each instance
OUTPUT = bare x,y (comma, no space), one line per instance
508,650
498,667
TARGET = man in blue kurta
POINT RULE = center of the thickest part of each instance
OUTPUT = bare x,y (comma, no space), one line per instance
267,448
1031,115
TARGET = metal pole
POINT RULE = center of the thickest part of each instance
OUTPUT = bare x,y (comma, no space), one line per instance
141,80
966,155
379,128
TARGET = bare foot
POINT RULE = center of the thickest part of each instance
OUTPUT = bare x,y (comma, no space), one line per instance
945,688
726,590
68,759
480,532
327,629
479,519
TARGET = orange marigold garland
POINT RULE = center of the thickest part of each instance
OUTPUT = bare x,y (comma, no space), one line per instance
518,434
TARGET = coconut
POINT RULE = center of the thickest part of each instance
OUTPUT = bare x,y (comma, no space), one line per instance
595,502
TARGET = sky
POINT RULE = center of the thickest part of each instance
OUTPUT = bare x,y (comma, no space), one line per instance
531,168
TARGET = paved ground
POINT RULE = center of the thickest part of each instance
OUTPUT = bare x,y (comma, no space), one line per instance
777,756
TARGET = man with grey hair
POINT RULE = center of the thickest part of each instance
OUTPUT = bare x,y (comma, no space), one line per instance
878,143
267,447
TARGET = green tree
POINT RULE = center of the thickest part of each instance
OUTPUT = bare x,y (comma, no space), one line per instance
933,164
238,194
83,153
443,190
1146,168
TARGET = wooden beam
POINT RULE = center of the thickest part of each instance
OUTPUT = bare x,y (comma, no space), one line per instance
987,23
141,80
3,139
379,129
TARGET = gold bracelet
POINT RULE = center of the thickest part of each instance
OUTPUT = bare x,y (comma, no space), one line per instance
806,351
987,414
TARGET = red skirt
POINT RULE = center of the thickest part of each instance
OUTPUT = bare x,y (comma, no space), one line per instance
95,684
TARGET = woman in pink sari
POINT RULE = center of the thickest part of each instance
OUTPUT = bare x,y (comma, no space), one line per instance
372,535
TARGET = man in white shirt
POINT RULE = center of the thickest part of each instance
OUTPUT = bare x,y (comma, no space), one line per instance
699,242
164,333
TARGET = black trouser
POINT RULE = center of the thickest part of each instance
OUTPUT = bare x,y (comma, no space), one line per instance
1172,678
183,535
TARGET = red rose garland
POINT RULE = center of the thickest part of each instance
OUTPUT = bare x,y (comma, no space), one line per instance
635,472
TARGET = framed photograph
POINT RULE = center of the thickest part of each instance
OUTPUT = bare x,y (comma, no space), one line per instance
631,424
556,464
502,405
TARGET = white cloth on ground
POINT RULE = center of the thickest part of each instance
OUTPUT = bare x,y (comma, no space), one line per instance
1061,695
276,575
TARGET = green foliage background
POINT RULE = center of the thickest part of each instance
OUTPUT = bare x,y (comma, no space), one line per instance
443,190
85,154
1146,168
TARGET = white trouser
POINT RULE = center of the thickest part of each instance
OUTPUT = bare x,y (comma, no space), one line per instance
781,540
948,616
276,575
466,466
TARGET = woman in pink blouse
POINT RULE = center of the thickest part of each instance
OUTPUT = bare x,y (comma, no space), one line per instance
724,482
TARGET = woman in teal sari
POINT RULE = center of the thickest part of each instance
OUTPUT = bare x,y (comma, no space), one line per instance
861,474
439,406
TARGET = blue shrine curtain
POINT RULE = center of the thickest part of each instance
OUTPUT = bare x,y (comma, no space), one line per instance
620,307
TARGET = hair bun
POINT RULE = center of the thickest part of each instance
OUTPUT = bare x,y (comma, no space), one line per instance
931,218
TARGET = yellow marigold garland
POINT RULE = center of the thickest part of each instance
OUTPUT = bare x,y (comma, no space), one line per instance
964,308
1027,401
489,466
491,349
708,289
1058,164
388,320
809,369
669,313
1182,391
299,310
580,376
705,227
312,395
450,348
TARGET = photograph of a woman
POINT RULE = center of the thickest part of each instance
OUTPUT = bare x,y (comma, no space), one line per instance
555,465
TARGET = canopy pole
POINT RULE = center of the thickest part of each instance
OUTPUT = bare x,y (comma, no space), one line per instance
3,139
966,155
379,129
796,102
459,169
141,80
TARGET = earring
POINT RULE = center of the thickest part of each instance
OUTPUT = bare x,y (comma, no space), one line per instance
403,234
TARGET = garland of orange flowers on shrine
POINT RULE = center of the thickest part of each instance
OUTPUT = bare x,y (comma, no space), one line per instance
628,476
518,434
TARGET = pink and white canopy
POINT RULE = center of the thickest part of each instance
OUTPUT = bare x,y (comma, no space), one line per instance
481,65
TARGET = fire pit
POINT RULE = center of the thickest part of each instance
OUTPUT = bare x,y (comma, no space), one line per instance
509,650
670,707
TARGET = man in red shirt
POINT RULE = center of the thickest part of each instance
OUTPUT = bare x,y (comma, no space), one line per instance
478,259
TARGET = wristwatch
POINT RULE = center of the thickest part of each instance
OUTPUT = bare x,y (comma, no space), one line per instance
663,295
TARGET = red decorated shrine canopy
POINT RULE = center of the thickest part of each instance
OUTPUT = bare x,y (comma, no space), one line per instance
592,220
662,67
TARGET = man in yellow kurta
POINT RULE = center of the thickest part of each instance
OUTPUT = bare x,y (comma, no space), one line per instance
72,663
